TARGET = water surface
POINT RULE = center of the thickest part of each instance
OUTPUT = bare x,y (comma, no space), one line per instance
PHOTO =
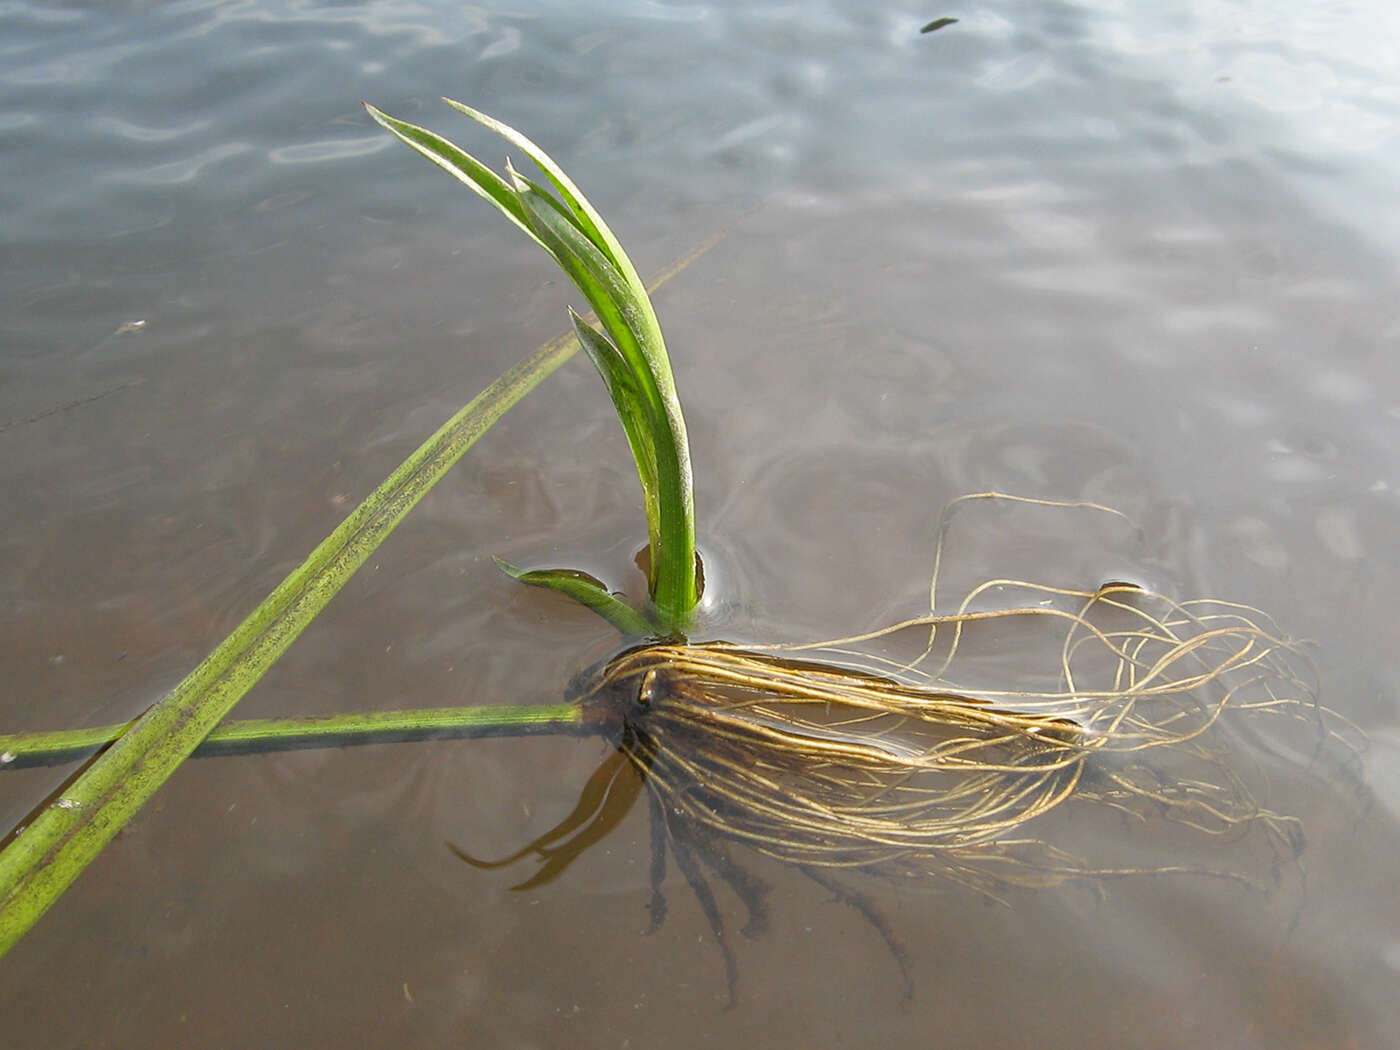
1085,251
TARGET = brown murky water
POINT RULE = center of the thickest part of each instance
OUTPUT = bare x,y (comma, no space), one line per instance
1079,253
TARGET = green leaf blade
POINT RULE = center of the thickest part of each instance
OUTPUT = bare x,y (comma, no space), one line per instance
587,591
577,238
591,272
592,225
589,220
44,859
621,384
458,163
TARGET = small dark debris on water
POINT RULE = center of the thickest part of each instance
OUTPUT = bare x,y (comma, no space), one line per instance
937,24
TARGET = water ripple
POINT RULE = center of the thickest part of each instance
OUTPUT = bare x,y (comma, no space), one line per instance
184,170
329,149
134,132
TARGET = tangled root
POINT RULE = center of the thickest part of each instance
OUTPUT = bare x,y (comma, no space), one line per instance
837,756
903,750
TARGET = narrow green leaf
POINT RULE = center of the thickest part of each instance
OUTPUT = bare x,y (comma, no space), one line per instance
581,243
621,383
645,419
640,315
606,358
255,735
458,163
587,591
592,273
40,862
589,220
605,260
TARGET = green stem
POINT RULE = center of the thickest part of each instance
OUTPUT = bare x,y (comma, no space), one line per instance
21,750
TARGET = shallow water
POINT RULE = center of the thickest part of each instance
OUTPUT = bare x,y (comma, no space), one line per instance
1080,252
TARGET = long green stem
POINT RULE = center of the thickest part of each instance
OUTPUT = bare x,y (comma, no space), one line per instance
22,750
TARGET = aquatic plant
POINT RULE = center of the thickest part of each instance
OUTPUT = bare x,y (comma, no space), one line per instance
629,354
815,755
843,755
881,753
44,856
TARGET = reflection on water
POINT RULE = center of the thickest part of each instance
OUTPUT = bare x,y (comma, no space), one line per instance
1085,251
